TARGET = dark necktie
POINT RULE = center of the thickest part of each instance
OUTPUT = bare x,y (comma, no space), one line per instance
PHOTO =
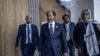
28,34
51,30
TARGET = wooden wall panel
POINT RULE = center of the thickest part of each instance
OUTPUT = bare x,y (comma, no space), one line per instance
12,13
1,42
50,4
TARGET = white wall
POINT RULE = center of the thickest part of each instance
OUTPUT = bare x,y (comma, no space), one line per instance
97,10
77,6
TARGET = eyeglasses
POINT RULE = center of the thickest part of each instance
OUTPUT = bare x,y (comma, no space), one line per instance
85,14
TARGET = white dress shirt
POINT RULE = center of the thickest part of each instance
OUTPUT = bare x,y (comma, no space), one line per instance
30,35
67,33
53,25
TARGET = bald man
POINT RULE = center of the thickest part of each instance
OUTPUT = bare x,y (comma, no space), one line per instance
28,34
52,37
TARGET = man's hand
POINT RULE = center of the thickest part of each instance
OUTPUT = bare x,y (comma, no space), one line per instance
16,48
16,51
65,54
39,53
79,49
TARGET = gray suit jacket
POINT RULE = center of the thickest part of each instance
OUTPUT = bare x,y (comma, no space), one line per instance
71,29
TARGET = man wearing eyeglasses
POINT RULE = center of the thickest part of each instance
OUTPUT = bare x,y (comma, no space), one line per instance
86,36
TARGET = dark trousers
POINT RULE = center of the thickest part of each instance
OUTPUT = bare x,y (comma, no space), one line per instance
50,52
87,55
27,50
71,48
84,51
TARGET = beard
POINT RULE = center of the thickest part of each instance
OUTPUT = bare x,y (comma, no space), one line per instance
66,21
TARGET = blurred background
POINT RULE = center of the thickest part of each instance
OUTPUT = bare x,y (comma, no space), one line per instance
13,13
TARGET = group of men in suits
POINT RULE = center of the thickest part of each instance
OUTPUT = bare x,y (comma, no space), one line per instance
55,39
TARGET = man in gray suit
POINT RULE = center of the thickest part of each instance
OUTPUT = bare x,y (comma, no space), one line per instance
69,27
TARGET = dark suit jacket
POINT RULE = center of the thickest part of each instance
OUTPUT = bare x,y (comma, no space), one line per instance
71,29
22,36
79,32
57,42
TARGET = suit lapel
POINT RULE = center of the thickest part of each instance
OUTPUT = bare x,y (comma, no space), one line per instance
70,30
55,30
64,27
32,29
82,26
47,29
24,29
70,27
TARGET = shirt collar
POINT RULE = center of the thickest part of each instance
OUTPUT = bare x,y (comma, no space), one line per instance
67,23
28,24
53,22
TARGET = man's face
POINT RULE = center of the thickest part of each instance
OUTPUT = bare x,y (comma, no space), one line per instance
50,17
85,15
66,19
29,19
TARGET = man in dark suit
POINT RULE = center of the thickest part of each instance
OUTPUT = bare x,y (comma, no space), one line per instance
68,28
80,31
28,34
52,37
